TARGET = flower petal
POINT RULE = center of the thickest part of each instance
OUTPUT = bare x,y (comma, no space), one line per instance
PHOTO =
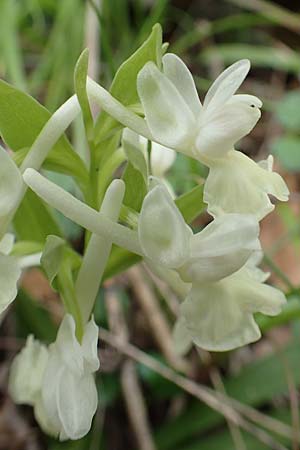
218,132
26,372
90,346
221,249
178,73
168,117
161,158
7,243
44,420
226,84
52,376
10,273
163,233
77,401
181,337
236,184
219,316
11,183
68,346
215,319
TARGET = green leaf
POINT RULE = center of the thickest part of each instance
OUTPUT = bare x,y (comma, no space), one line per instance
287,111
52,256
123,87
55,253
287,150
33,220
119,260
135,152
80,77
21,120
33,318
191,204
136,188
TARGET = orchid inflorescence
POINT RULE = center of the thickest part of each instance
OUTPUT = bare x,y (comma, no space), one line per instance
217,268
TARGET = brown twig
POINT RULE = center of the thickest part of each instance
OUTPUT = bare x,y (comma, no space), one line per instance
218,384
216,401
159,326
135,404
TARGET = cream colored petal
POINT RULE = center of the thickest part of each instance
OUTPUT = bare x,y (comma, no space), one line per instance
11,183
219,131
168,117
219,316
52,376
77,401
7,243
181,337
222,248
215,319
236,184
10,273
178,73
163,233
44,420
162,158
67,345
27,371
259,297
90,346
226,84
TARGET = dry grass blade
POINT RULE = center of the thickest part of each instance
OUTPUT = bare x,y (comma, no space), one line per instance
272,11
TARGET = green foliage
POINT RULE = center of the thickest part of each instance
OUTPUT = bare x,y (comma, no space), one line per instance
39,221
21,120
287,147
123,87
287,150
32,318
287,111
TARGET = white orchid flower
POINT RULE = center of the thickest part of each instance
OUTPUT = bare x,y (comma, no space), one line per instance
58,381
27,371
177,119
236,184
219,316
208,132
69,394
219,250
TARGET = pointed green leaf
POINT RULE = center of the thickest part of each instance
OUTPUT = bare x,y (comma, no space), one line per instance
123,87
33,220
21,120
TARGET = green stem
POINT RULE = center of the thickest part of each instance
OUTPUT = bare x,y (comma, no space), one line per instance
68,295
97,253
106,174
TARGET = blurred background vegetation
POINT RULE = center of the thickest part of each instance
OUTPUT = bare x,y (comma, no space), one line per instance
142,406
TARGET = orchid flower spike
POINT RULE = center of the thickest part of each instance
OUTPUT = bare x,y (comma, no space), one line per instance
27,371
177,119
219,316
68,392
58,381
219,250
